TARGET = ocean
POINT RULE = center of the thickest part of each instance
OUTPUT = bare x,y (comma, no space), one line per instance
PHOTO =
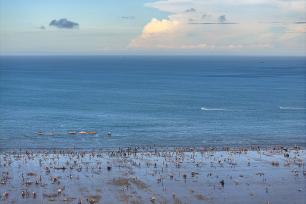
151,100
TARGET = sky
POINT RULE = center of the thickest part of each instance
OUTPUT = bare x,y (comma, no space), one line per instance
209,27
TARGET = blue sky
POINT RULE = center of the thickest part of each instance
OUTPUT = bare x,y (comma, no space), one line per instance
272,27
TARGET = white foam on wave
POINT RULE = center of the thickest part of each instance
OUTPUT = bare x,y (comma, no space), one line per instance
212,109
291,108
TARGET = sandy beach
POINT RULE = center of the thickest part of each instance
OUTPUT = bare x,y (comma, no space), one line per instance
202,175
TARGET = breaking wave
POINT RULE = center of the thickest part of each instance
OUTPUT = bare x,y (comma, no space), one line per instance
291,108
212,109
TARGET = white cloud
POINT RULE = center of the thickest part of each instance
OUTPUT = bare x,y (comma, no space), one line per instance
160,26
153,32
253,25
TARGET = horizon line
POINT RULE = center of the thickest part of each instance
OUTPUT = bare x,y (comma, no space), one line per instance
148,54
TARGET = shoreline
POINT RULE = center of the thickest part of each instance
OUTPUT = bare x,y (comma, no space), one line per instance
181,175
159,148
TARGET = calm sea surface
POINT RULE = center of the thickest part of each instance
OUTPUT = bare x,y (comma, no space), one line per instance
167,101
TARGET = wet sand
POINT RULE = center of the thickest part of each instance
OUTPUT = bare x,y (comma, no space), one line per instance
272,175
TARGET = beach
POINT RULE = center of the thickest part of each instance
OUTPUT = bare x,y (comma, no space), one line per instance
150,175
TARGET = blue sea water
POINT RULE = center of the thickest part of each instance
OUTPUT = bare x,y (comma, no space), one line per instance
142,100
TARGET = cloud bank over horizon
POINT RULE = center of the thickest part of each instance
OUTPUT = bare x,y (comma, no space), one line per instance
225,25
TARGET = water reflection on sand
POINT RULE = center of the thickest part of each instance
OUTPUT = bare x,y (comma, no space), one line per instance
272,175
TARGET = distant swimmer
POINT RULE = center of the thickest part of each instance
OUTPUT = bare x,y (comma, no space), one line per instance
109,134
